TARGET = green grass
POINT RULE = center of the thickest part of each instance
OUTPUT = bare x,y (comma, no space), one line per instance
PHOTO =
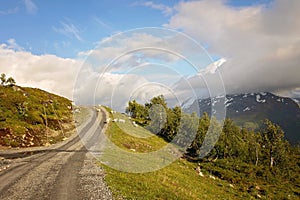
160,176
179,180
176,181
128,137
33,117
256,180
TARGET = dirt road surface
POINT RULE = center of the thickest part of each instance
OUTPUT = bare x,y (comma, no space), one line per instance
66,171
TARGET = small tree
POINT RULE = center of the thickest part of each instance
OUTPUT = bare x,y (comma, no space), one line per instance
273,142
3,78
203,125
10,81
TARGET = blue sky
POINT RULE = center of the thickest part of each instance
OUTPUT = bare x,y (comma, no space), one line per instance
65,27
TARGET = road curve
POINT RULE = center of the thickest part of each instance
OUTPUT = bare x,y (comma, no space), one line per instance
67,171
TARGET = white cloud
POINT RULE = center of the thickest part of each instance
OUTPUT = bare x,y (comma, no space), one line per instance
166,10
109,89
115,90
142,63
9,11
69,30
30,7
213,67
131,49
12,44
261,44
99,21
47,72
146,45
72,79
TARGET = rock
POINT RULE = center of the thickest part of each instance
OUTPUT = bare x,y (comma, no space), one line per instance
5,131
16,88
201,174
198,169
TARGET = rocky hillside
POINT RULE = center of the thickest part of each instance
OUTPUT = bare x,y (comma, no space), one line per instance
32,117
250,110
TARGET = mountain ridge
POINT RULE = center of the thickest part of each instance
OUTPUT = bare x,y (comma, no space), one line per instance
250,110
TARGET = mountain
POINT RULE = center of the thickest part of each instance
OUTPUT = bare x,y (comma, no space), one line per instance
250,110
297,100
32,117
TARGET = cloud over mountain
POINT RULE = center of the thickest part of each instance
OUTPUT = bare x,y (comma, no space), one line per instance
260,43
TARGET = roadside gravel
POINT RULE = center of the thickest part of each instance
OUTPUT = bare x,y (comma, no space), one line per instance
92,181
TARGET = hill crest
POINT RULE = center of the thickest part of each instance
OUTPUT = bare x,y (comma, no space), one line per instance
32,117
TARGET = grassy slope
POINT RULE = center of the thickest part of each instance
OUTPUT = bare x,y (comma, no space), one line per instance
32,117
176,181
255,180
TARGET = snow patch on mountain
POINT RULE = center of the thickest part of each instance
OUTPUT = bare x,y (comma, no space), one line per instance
227,100
296,100
228,104
263,93
246,109
255,107
280,100
187,103
259,100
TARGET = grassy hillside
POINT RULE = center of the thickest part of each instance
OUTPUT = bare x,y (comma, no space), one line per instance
32,117
223,179
179,180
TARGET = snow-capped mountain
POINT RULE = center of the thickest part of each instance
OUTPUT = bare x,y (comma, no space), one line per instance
212,68
252,109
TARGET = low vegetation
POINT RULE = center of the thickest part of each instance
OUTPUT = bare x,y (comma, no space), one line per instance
32,117
243,164
180,180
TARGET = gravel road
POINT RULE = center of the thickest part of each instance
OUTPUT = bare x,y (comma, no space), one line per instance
65,171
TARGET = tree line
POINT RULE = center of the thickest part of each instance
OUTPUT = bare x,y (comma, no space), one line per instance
266,147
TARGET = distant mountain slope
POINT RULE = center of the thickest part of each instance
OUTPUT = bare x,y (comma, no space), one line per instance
251,109
32,117
297,100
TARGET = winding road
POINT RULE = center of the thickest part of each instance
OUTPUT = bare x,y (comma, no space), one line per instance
66,171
